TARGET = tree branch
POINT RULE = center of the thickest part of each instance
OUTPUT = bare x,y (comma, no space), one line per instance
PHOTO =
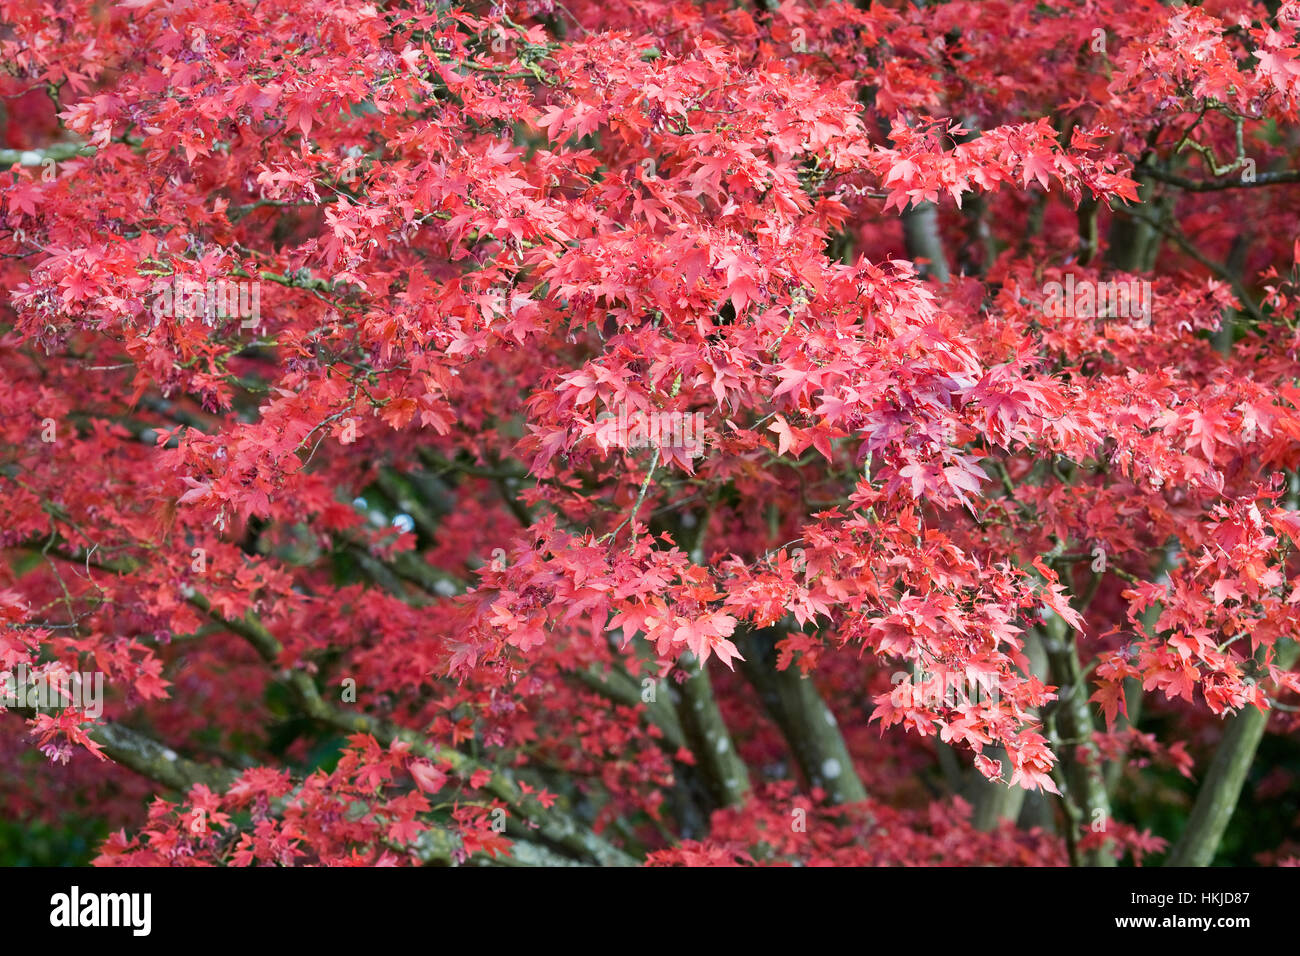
806,722
1217,798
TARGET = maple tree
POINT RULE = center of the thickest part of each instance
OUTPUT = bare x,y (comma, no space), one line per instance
326,323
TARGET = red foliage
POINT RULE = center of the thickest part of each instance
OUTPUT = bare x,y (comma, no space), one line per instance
401,402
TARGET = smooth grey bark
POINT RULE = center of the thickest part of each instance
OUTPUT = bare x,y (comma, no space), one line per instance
1133,693
1217,799
809,727
622,688
994,801
1132,243
1082,781
725,774
921,235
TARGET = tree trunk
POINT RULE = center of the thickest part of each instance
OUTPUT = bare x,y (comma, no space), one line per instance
806,722
1218,796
